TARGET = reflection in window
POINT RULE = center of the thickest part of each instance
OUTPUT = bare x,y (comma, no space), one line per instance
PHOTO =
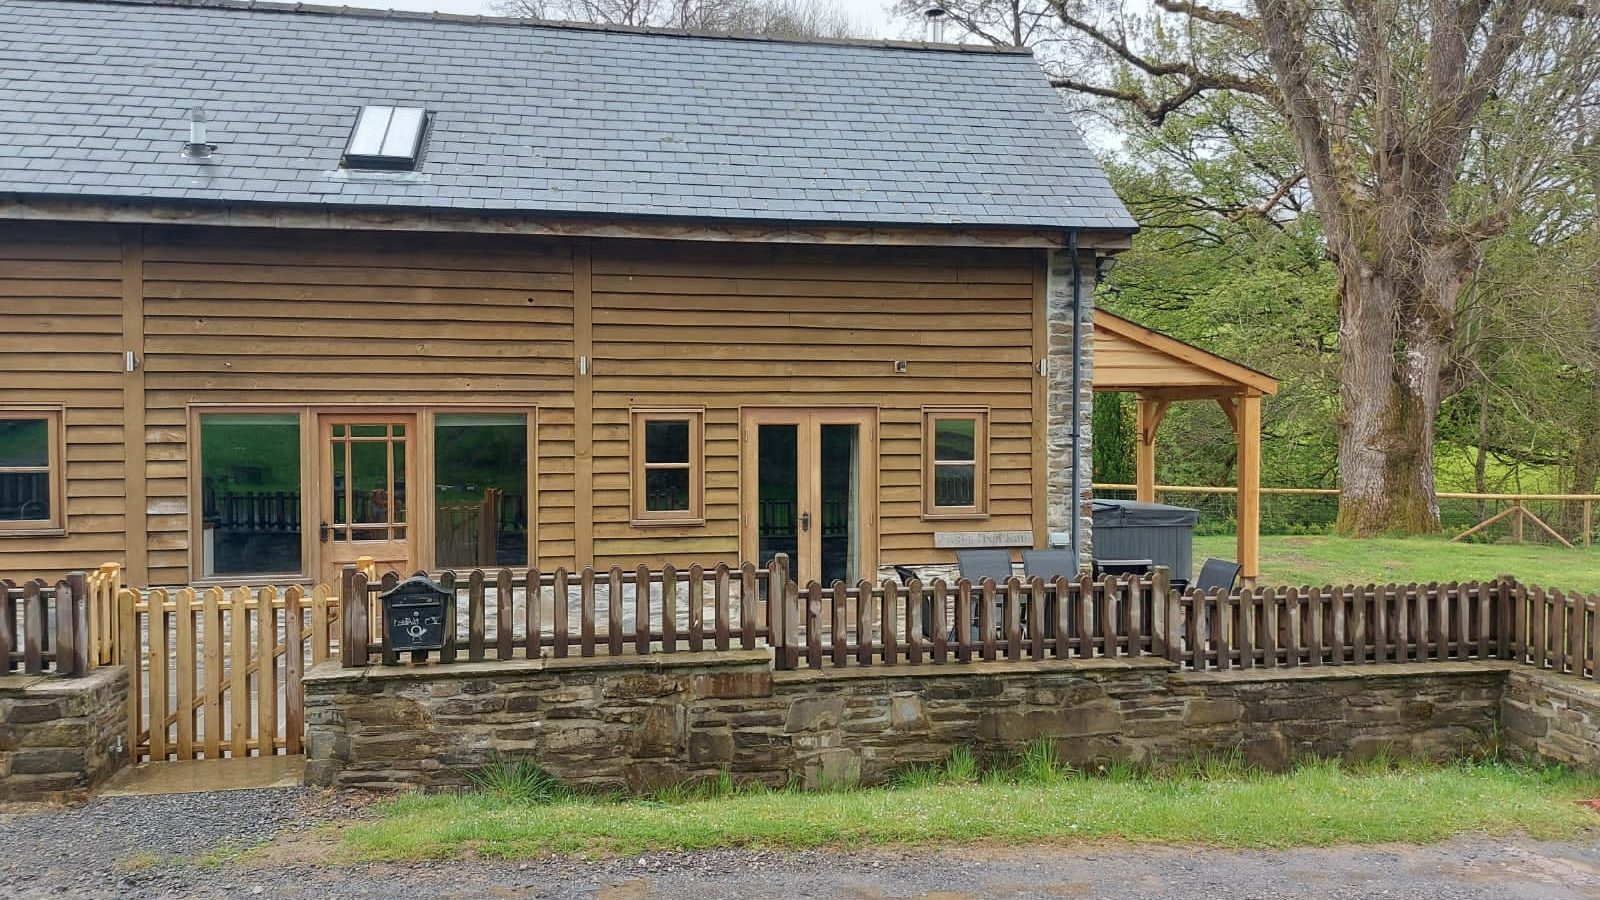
26,483
481,490
250,494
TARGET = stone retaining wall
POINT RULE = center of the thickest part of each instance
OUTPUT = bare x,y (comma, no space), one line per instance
1551,717
645,723
61,737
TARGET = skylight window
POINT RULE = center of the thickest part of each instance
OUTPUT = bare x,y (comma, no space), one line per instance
386,137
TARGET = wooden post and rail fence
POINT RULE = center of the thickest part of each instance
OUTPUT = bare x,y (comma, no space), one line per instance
216,673
1516,511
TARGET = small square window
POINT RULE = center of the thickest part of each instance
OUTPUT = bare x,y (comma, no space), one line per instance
31,476
668,462
956,462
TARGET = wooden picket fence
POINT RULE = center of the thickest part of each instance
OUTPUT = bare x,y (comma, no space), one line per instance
216,673
44,628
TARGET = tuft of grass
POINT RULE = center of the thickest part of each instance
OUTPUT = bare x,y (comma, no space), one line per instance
1041,764
518,780
1214,801
961,767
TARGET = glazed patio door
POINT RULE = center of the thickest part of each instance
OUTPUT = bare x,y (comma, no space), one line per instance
809,489
368,463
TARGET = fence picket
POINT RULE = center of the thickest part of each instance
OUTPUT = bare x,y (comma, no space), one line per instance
697,608
267,671
614,633
838,622
8,625
1012,616
669,608
586,605
452,638
33,619
475,616
747,606
722,593
184,672
211,658
156,664
1038,617
1536,631
1246,638
986,624
294,659
941,621
1575,642
127,655
532,615
813,616
1558,630
864,622
504,618
888,613
319,624
238,695
915,597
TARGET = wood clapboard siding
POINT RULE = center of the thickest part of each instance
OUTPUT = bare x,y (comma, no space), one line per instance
725,327
353,319
1119,362
61,343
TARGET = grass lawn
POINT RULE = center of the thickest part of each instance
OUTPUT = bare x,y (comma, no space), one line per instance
1226,806
1320,559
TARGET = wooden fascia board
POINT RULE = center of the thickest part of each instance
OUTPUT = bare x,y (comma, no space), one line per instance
36,208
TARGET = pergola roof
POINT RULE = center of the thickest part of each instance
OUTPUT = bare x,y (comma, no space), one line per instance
1131,357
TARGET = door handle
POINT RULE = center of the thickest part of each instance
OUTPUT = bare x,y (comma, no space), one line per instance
805,521
322,532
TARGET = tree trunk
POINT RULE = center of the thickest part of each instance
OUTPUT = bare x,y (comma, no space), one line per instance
1390,364
1586,461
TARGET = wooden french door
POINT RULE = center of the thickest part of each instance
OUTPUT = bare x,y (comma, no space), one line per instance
809,488
368,465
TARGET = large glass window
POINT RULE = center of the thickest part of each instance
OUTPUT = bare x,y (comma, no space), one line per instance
481,490
667,462
956,462
30,461
250,494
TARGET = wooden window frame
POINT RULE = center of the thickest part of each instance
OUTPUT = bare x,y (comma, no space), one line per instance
695,514
308,477
55,467
931,416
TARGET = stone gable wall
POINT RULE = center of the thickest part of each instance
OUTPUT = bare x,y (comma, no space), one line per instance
639,724
61,737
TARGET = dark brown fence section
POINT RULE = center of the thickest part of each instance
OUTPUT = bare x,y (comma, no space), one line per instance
587,613
44,628
842,625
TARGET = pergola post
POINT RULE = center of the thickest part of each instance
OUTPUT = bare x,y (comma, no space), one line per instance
1150,413
1247,425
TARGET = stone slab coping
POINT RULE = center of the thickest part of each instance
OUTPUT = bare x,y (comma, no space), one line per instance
1562,682
958,670
1357,671
331,672
36,685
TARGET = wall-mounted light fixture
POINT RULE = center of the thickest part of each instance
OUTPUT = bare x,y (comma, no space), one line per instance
1103,266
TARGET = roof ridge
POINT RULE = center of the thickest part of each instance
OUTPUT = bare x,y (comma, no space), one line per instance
358,12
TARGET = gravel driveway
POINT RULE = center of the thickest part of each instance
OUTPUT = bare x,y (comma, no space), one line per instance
177,846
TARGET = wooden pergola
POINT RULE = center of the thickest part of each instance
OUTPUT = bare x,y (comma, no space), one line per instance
1161,370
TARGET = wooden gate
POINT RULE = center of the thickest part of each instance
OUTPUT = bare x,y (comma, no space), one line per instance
216,674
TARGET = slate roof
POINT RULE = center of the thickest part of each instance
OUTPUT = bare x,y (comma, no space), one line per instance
534,118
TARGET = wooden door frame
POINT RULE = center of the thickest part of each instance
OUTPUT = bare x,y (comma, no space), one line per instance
323,420
869,460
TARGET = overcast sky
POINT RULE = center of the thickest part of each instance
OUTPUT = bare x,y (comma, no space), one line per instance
871,16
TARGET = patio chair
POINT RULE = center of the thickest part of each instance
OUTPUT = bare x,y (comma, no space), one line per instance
976,565
1049,564
1217,573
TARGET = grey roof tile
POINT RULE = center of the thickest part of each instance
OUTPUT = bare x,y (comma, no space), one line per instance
94,99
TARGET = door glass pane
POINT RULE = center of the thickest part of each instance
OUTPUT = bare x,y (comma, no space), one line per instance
666,489
250,494
840,497
24,442
955,439
480,490
666,441
953,484
778,524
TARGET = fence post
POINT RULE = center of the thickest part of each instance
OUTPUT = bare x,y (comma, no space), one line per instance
1157,617
82,653
783,609
353,599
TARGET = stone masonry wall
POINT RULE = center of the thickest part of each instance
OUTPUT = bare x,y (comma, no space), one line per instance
644,723
60,737
1553,718
1060,504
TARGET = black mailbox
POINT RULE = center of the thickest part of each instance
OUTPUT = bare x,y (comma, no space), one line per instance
414,614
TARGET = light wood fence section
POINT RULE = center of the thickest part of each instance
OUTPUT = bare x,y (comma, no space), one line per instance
216,673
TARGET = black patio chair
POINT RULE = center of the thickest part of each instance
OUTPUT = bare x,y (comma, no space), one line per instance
1217,573
1049,564
976,565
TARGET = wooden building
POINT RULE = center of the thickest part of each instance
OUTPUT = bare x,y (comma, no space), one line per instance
452,292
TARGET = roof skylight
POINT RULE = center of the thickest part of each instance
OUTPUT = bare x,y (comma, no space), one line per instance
385,137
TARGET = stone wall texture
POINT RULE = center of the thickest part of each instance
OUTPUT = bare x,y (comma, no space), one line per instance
60,737
1551,717
1061,506
640,724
